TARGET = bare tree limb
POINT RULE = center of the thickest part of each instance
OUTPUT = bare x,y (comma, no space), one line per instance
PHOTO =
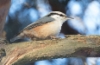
4,8
73,45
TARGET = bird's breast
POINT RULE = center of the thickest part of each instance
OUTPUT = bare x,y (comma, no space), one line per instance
45,30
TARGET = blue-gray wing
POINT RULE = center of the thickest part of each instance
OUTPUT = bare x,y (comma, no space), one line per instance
39,22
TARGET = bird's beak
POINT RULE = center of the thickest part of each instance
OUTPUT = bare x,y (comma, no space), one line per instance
70,18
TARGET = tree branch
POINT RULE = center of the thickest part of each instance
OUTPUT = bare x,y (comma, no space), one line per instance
73,45
4,8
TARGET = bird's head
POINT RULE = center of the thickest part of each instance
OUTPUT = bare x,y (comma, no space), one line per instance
58,16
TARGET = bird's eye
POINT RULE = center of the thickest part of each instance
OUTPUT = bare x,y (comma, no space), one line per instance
62,15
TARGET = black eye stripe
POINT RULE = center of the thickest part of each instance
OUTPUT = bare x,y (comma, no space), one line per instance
61,15
55,14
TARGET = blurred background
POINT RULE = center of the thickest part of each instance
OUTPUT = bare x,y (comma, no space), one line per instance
86,14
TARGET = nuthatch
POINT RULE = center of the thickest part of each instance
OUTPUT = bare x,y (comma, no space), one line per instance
48,26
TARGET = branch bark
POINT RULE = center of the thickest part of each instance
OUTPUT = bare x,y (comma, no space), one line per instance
4,8
23,53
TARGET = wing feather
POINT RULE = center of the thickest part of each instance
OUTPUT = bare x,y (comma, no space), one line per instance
40,22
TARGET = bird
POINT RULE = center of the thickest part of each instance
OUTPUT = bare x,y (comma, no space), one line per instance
48,26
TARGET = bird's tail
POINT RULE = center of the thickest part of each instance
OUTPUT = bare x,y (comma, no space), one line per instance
20,36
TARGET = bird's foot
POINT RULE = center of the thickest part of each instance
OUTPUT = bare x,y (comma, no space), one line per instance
54,38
